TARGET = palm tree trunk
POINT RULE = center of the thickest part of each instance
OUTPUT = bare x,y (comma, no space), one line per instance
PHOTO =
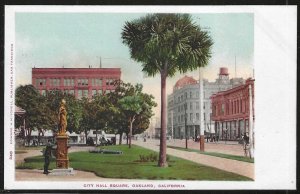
163,146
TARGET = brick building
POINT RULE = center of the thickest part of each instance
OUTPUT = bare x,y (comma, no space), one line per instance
230,111
81,82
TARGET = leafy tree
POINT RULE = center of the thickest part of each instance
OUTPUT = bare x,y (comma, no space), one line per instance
37,117
143,119
120,120
86,122
132,106
165,44
100,111
73,106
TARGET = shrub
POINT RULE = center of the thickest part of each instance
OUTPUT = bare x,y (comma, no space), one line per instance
148,158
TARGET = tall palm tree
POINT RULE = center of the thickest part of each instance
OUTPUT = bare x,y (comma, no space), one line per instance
165,44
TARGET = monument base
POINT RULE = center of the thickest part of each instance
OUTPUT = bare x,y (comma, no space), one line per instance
62,159
62,172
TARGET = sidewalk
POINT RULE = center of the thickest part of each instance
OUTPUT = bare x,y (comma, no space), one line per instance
232,148
238,167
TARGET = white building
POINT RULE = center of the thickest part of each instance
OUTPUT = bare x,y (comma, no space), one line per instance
185,99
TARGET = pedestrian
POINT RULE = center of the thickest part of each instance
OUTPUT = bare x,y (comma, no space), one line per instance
47,155
246,138
217,137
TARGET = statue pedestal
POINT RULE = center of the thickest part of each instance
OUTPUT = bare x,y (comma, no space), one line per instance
62,159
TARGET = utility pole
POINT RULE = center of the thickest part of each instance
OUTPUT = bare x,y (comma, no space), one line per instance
185,120
172,124
201,109
235,66
251,142
100,62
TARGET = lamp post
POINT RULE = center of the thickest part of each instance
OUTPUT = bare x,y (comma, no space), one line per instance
185,128
172,124
201,109
194,127
225,131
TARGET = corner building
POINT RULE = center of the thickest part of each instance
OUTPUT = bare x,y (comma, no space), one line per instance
186,91
81,82
231,111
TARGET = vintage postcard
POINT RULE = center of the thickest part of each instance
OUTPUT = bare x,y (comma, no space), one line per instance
150,97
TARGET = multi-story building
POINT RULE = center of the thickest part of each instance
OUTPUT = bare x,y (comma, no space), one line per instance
81,82
231,111
185,99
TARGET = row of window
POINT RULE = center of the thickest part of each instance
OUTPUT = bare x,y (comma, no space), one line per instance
81,93
71,82
190,106
190,117
185,96
234,107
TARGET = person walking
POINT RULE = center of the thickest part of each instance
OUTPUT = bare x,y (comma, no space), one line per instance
47,155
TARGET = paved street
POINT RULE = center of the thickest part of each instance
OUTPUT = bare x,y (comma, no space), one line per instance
238,167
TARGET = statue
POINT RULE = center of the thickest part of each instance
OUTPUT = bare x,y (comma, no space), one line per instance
62,118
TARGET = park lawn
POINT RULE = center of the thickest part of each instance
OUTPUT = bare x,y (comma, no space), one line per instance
216,154
128,166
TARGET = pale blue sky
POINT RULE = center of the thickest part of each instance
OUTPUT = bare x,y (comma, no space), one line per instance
78,39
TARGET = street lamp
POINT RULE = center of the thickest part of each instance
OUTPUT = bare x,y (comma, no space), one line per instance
172,129
225,131
194,127
185,120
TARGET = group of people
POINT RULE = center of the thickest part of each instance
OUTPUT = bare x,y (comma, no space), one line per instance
212,138
209,138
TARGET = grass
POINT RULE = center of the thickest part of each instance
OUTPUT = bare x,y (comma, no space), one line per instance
129,166
216,154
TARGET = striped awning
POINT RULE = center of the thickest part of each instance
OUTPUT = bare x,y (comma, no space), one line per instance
19,111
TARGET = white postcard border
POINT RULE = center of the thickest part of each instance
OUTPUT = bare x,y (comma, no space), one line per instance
275,75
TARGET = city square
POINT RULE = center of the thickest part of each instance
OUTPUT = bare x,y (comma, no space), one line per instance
79,121
148,98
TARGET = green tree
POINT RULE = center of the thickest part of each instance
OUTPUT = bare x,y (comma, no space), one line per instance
73,106
143,119
165,44
120,120
132,106
100,111
37,113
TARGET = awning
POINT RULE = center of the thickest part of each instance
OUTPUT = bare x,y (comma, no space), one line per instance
19,111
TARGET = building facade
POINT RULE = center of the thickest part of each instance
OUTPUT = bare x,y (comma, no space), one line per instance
185,100
231,111
81,82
